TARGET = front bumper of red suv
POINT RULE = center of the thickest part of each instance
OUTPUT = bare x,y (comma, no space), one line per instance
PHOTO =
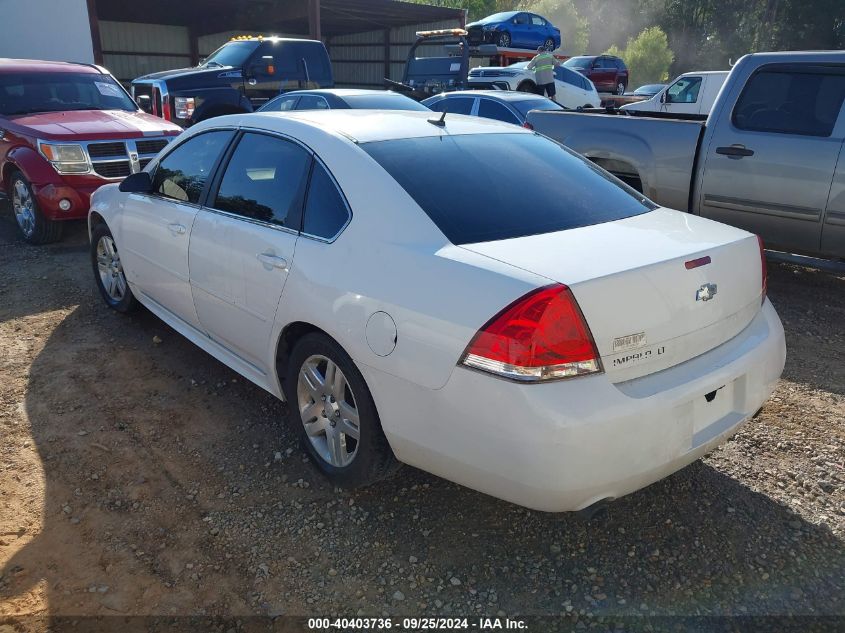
77,193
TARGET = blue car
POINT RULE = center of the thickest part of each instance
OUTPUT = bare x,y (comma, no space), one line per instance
515,29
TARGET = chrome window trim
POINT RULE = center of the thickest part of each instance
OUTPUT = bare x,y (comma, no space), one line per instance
313,154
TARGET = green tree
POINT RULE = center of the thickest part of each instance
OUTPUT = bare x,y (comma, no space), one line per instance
574,30
647,56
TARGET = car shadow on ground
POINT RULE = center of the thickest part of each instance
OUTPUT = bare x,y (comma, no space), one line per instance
171,486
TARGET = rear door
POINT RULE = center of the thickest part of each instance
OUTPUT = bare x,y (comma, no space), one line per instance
769,165
156,227
243,243
833,230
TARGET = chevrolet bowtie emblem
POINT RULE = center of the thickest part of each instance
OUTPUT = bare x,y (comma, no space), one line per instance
706,292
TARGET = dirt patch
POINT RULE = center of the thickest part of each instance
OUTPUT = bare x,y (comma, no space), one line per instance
147,478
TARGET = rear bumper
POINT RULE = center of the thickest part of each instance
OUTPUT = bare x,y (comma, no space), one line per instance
565,445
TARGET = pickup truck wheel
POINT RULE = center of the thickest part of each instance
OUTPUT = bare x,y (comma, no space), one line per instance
36,229
503,40
108,271
620,88
335,415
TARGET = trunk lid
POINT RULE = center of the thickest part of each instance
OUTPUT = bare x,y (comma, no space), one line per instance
646,309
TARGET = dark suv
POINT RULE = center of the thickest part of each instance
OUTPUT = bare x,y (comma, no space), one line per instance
607,72
240,76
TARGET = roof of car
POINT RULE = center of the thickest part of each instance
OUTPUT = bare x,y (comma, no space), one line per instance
343,92
364,126
40,66
504,95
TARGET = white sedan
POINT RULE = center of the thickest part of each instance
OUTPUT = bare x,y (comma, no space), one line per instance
531,328
572,89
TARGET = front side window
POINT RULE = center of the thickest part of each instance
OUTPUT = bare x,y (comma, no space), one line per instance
265,180
280,104
325,209
522,18
182,174
580,63
492,110
685,90
791,101
29,93
461,184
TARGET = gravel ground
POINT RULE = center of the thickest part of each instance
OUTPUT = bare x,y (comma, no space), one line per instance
140,476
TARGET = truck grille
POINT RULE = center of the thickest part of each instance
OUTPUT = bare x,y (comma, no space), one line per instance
114,159
115,169
151,147
107,150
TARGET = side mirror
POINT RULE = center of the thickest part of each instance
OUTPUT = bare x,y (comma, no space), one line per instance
141,182
663,97
145,103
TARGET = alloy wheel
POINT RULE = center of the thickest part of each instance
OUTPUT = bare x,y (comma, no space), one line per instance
328,410
24,207
504,40
110,269
620,88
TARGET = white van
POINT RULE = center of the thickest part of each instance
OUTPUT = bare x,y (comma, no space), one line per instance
691,93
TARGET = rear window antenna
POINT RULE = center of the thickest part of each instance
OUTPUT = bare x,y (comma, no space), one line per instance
441,122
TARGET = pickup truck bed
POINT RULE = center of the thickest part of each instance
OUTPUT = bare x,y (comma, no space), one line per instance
616,143
770,157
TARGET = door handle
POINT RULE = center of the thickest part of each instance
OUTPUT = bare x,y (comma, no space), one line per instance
268,259
177,229
735,151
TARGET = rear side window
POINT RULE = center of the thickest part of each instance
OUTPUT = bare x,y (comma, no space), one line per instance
791,101
312,102
182,174
265,180
456,105
463,186
489,109
280,104
325,209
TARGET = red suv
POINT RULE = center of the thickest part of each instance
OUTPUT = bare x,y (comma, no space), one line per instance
607,72
65,130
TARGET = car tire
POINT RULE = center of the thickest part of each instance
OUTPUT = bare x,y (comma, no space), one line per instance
108,271
35,228
503,40
549,44
527,86
319,400
621,88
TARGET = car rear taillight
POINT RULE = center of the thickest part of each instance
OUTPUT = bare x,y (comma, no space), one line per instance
527,126
541,336
765,277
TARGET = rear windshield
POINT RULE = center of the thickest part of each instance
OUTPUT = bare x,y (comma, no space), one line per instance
485,187
27,93
383,102
536,104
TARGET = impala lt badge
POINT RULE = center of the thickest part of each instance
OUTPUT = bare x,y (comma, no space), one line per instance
706,292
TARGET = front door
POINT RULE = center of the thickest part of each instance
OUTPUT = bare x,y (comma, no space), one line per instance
683,96
156,227
768,168
603,74
243,244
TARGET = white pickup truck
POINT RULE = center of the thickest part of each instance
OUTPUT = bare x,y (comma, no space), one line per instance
690,93
769,158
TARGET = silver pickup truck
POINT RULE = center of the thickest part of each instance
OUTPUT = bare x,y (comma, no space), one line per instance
769,158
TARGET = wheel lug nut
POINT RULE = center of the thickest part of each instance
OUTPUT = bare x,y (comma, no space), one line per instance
337,414
323,398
